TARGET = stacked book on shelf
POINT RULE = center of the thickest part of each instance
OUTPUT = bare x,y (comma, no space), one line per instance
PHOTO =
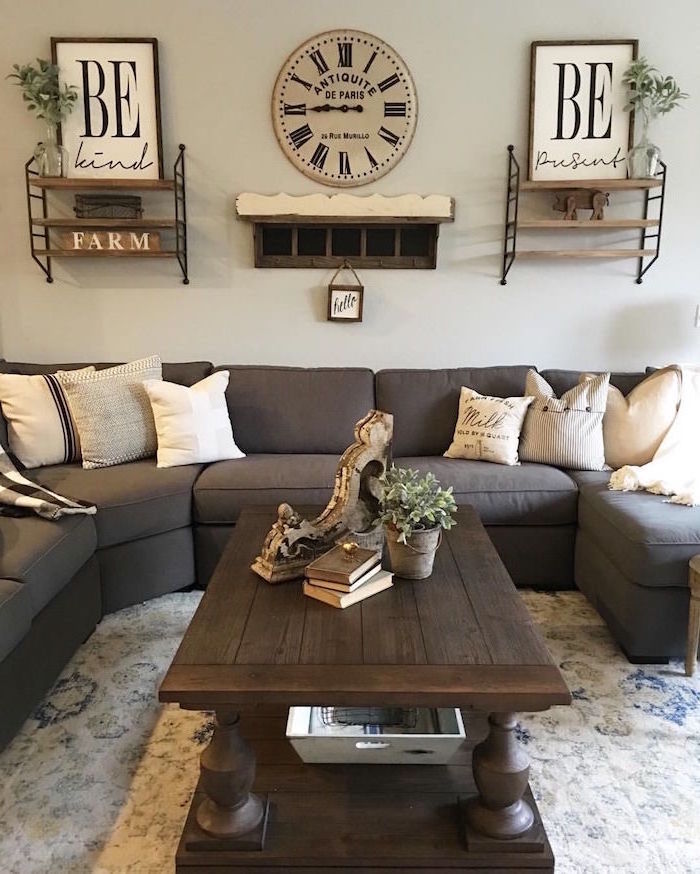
344,576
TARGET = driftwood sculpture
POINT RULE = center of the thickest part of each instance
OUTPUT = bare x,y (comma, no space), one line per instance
569,202
293,541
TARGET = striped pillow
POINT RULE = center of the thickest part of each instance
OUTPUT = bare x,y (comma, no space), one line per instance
40,428
566,431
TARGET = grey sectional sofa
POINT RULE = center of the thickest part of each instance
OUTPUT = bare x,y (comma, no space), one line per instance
158,531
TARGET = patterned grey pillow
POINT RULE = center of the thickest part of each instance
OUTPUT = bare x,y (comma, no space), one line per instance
566,431
112,412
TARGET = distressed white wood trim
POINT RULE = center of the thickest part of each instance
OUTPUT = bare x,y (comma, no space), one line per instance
431,207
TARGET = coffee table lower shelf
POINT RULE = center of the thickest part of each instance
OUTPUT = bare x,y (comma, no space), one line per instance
348,819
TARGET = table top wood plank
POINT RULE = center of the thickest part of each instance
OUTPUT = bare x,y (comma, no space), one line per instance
274,631
331,642
391,628
450,628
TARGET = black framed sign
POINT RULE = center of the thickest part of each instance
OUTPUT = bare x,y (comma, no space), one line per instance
579,128
114,130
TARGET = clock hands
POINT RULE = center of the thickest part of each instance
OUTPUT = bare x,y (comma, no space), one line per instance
326,107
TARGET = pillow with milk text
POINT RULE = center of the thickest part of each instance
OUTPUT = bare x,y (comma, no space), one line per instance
488,428
192,424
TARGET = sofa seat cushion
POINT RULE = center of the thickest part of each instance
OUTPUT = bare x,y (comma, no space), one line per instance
133,500
44,555
526,494
647,539
226,487
15,615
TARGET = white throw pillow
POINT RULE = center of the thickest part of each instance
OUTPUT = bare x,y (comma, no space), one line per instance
113,413
566,431
488,428
634,426
40,428
192,424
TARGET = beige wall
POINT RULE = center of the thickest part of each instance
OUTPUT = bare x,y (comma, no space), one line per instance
470,61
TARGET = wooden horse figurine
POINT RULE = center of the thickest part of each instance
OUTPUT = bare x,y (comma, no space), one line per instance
293,541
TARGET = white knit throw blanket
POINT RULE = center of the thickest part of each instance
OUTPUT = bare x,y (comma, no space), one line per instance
675,468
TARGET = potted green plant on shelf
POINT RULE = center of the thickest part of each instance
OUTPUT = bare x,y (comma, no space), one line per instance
51,102
650,95
414,510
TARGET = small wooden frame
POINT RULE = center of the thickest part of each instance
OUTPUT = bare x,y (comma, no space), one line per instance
345,302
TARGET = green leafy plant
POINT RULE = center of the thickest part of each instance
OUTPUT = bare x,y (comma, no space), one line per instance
41,90
411,502
648,92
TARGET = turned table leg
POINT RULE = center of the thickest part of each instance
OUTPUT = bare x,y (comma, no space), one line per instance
691,652
227,773
501,769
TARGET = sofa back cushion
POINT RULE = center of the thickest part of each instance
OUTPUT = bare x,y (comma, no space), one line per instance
563,380
295,409
425,403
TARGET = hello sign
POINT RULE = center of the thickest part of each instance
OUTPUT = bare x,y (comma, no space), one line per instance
578,125
114,130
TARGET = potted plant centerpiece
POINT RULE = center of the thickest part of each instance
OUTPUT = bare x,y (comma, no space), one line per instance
650,95
414,510
51,102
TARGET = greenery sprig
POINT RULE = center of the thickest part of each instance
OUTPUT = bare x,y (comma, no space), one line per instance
648,91
41,90
410,502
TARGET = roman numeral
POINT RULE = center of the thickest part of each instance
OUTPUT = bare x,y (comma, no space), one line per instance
318,159
372,161
301,135
370,62
296,109
389,136
320,61
344,164
391,109
389,82
345,54
299,81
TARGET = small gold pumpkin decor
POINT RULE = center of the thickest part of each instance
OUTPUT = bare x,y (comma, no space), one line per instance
345,301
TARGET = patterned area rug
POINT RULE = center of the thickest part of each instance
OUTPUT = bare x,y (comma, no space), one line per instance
99,780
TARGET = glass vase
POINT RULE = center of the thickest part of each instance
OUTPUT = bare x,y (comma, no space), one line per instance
643,159
51,158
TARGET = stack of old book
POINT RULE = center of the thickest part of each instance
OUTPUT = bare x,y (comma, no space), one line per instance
345,575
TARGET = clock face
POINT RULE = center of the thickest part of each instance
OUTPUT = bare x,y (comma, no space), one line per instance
344,108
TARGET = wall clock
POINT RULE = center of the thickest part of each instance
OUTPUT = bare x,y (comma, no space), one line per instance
344,108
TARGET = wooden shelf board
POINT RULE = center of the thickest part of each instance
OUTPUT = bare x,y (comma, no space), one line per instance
103,223
587,253
59,183
562,225
603,184
102,253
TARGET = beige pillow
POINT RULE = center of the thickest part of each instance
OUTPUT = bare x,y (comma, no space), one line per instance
113,413
634,426
40,428
192,424
488,429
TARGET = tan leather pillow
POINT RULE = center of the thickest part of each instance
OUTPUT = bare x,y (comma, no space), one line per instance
634,426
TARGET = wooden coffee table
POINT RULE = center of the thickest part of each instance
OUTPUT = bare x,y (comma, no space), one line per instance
462,638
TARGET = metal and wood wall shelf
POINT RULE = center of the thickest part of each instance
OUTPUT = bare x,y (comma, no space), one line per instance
646,251
43,226
326,230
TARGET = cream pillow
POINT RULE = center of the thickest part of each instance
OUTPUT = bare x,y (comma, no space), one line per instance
40,428
488,429
113,413
634,426
192,424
